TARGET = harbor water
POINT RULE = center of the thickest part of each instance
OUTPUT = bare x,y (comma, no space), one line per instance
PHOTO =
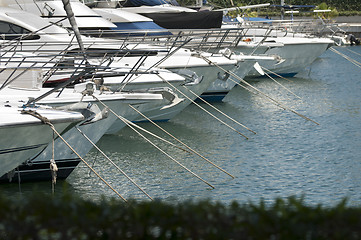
288,155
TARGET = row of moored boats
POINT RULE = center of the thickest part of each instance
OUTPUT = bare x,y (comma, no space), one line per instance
58,86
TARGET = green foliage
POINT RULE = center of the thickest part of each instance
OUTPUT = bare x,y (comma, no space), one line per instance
340,5
326,15
350,13
69,217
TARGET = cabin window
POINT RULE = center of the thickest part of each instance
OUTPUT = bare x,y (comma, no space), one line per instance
9,31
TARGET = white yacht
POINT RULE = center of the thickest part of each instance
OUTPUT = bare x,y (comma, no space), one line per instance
54,10
297,51
23,134
84,96
203,64
118,102
24,130
51,41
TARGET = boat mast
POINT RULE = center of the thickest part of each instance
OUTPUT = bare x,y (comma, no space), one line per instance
71,18
282,10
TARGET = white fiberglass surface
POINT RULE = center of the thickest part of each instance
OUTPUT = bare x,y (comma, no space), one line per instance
34,22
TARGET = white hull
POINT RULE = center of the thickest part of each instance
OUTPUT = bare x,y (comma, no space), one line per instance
297,57
93,131
118,102
226,85
26,135
209,75
153,106
296,52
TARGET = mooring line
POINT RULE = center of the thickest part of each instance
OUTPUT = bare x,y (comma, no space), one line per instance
353,52
154,145
356,63
192,101
288,90
46,121
102,179
171,135
116,166
276,74
155,135
232,119
259,91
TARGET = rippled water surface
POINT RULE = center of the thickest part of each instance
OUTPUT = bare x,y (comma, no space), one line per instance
289,156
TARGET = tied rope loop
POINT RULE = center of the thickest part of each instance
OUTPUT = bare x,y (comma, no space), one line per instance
53,166
54,170
37,115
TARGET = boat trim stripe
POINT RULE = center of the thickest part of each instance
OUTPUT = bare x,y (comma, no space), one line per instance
19,149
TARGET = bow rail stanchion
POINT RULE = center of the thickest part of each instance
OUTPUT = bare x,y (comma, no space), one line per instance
116,166
153,144
277,103
171,135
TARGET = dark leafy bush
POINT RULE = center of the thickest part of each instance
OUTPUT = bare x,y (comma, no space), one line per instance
41,216
340,5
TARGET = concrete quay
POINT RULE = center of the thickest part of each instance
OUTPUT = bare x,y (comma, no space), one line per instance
350,24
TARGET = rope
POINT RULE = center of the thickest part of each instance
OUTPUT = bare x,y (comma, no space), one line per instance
353,52
103,180
53,166
150,120
46,121
353,61
203,108
130,179
36,115
232,119
129,125
276,74
260,92
154,135
282,85
19,180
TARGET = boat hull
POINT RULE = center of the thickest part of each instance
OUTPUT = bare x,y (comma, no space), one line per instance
35,168
296,55
33,138
225,83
